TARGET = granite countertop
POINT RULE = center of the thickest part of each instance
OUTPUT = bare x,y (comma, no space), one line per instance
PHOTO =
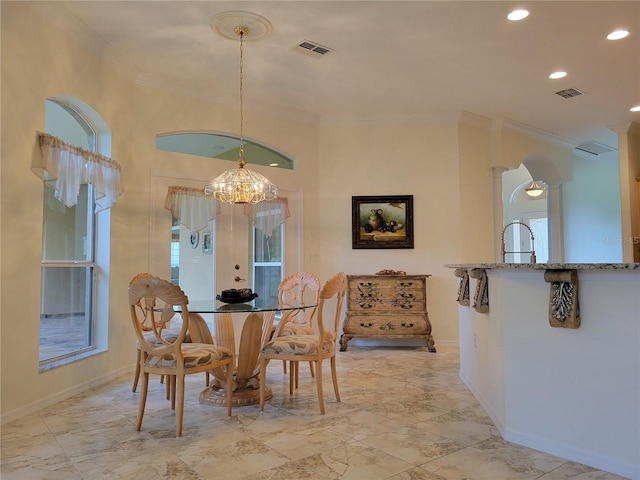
549,266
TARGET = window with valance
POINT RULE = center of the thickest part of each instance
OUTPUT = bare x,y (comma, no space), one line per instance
268,215
66,167
190,207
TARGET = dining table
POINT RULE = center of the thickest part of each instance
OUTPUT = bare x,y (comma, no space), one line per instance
258,326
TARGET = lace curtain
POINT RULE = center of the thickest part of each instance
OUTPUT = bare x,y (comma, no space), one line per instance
268,215
191,207
66,167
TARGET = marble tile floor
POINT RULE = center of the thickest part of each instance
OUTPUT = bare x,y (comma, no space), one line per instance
404,415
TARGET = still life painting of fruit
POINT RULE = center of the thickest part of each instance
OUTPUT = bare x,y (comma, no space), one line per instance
382,222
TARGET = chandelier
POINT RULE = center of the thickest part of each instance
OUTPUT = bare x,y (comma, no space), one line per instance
241,185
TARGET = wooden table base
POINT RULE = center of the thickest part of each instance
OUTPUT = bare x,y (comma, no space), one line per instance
242,396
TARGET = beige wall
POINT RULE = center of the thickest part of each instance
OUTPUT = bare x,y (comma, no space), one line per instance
419,158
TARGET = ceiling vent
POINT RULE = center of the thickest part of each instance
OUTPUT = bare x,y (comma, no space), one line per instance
594,148
312,49
570,93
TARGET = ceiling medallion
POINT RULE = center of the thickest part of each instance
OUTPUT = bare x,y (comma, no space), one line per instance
225,24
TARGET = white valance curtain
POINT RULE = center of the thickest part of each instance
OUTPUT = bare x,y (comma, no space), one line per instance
191,207
268,215
66,167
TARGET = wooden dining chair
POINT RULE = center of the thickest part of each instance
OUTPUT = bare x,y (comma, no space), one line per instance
313,348
200,333
298,289
168,330
151,301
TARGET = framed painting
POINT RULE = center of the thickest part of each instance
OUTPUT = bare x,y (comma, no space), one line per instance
382,221
207,242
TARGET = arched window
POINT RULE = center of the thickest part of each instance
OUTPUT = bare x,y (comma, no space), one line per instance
71,325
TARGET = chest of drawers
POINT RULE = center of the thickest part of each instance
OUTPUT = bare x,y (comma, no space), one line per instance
387,306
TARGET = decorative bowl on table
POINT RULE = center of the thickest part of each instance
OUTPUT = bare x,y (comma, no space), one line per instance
240,295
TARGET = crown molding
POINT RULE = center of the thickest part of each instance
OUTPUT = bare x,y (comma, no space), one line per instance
632,128
396,119
533,132
475,120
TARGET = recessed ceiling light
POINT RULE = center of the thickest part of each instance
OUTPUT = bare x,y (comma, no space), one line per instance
518,15
555,75
273,164
635,109
617,34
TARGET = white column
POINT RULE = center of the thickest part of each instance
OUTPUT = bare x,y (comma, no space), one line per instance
555,221
498,211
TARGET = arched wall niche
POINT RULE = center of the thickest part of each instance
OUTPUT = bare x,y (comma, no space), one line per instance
518,206
545,210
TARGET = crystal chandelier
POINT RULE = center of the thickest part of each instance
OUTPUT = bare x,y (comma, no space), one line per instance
241,185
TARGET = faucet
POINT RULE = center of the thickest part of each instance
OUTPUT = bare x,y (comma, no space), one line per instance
503,250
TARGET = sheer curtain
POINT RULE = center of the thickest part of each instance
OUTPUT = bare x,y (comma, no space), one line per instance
268,215
66,167
191,207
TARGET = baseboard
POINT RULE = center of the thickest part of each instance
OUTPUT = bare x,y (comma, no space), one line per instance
495,418
559,450
584,457
41,403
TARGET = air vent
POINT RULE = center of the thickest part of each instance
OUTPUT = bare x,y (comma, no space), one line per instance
570,93
594,148
312,48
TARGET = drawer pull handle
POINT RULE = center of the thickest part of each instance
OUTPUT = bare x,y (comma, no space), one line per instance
407,325
366,325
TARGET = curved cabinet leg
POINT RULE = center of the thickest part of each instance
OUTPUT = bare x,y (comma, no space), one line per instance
344,340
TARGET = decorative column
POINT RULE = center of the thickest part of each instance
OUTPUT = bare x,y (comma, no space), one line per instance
555,225
498,212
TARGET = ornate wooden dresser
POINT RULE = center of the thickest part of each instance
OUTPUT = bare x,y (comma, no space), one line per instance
387,306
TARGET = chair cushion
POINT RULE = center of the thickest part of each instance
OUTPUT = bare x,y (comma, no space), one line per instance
296,329
195,354
297,345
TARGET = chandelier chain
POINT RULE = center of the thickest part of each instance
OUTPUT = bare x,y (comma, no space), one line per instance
241,96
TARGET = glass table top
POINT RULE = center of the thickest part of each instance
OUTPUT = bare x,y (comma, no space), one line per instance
216,306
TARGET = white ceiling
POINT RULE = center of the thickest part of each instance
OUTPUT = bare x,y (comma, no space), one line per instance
389,59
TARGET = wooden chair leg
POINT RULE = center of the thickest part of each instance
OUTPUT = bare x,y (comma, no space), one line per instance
312,369
229,386
263,382
293,376
284,367
171,380
319,385
143,400
137,374
178,380
334,376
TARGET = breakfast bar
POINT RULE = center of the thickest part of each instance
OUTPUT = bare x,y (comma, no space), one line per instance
552,353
